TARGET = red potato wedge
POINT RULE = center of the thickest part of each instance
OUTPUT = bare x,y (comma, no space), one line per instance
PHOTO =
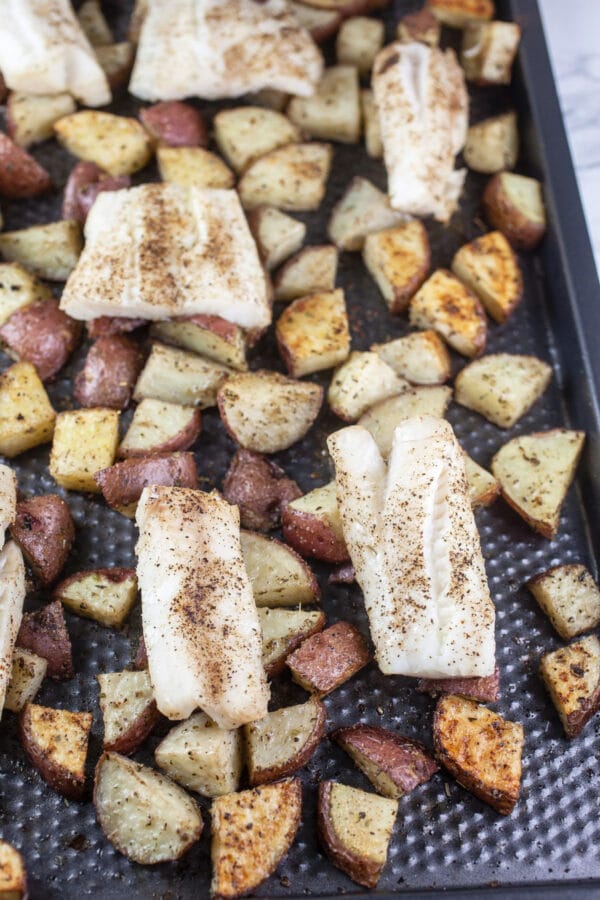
515,206
493,144
119,145
85,441
310,271
105,595
483,487
106,326
489,267
20,174
175,124
399,261
123,483
332,113
459,13
502,387
44,633
313,333
359,40
277,235
360,211
355,829
395,765
572,677
209,336
312,525
326,660
56,743
279,577
259,488
251,833
488,51
160,427
283,741
85,182
283,630
30,118
26,414
363,380
322,23
41,334
420,26
45,531
144,815
444,304
116,61
28,672
13,875
18,289
484,690
420,357
128,710
193,167
570,598
109,373
176,376
480,749
246,133
291,178
49,251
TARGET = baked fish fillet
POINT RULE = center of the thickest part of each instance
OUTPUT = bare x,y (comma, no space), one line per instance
8,500
161,250
223,48
201,628
415,548
44,51
423,107
12,595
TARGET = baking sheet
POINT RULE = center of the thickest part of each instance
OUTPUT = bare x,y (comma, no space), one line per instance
444,837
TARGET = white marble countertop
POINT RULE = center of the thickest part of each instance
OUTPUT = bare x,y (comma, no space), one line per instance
573,36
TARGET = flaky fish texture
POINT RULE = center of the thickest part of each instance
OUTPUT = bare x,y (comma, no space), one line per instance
423,108
161,250
12,595
8,500
223,48
43,50
415,547
200,622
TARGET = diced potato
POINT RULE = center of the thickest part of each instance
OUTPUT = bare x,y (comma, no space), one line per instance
572,676
260,489
116,61
245,133
310,271
18,288
193,167
178,377
30,118
313,526
56,743
208,336
483,487
93,24
26,414
371,126
363,380
159,427
277,235
502,386
44,632
382,419
117,144
85,441
493,145
283,630
570,598
105,595
326,660
202,757
321,23
488,51
128,709
283,741
333,111
313,333
362,209
489,267
515,206
359,40
291,178
279,577
535,472
28,672
420,26
446,305
398,259
420,357
459,13
13,875
49,251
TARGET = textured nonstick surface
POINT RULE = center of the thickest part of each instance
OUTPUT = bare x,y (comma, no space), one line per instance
444,837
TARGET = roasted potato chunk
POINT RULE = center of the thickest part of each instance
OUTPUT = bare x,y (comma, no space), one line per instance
491,270
313,526
49,251
175,376
119,145
355,829
251,833
277,235
313,333
159,427
333,111
398,259
493,145
123,483
488,51
382,419
359,40
259,488
502,386
326,660
515,206
284,740
13,875
459,13
484,689
85,441
245,133
360,382
572,676
371,126
483,487
570,598
292,178
116,61
28,672
421,357
26,414
128,709
85,182
193,167
45,531
44,632
421,26
20,174
361,210
283,630
106,326
175,124
105,595
446,305
480,749
56,743
109,373
30,118
535,472
18,289
310,271
209,336
321,23
41,334
279,577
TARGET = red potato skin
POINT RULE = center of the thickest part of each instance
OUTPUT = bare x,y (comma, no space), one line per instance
110,371
175,124
180,441
263,776
124,482
311,536
116,575
44,633
485,689
520,232
140,660
85,182
64,782
20,174
105,326
321,33
277,666
325,661
45,531
135,736
41,334
259,488
361,869
221,327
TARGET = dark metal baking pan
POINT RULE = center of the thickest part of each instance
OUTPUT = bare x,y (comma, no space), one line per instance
445,839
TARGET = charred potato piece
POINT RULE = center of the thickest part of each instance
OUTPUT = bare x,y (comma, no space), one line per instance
332,113
360,382
28,672
459,13
123,483
128,709
30,118
313,526
491,270
421,357
93,24
535,472
421,26
193,167
13,875
394,764
493,145
41,334
311,270
18,289
175,124
20,174
85,182
49,251
105,595
361,210
144,815
284,740
326,660
44,633
322,23
291,178
283,630
480,749
159,427
277,235
209,336
245,133
45,531
398,259
85,441
109,373
56,743
355,829
359,40
26,414
483,487
502,386
570,598
485,689
382,419
116,61
279,577
176,376
446,305
251,833
515,206
313,333
259,488
488,51
572,676
119,145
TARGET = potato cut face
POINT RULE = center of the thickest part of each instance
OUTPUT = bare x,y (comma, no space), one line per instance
202,757
207,336
245,133
502,386
570,598
18,288
444,304
382,419
175,376
277,235
56,742
535,472
85,441
147,817
49,251
514,205
279,577
159,427
488,51
333,111
371,127
26,415
105,595
362,209
284,740
359,40
193,167
311,270
128,709
458,13
398,260
251,833
326,660
489,267
572,676
313,333
283,630
483,487
291,178
13,877
313,526
361,382
526,194
31,118
117,144
421,358
493,144
28,672
481,749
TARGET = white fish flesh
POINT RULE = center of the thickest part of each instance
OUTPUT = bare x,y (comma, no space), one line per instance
12,595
